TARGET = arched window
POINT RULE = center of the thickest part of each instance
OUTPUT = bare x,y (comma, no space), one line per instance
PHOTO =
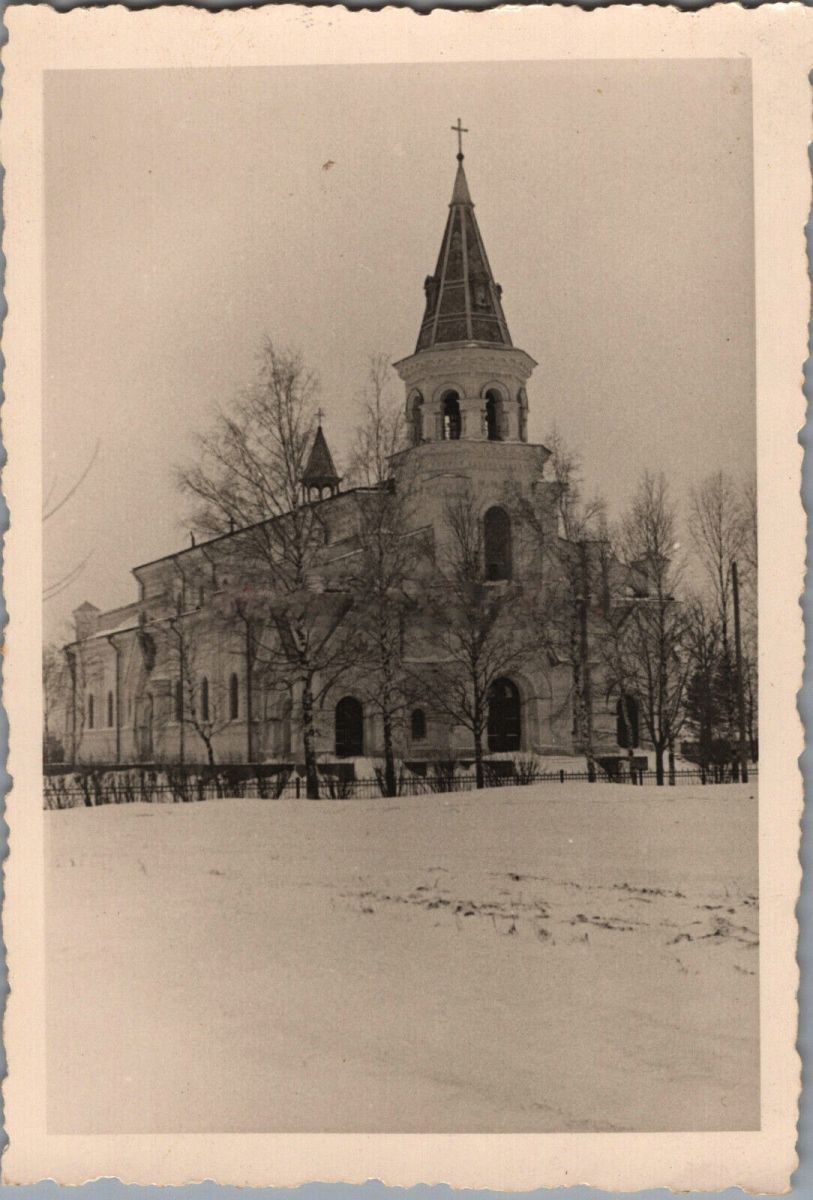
626,712
91,711
349,727
234,698
204,699
110,710
418,725
416,419
178,700
504,716
450,417
494,416
497,543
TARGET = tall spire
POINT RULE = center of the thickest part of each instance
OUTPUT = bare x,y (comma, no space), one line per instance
460,192
462,300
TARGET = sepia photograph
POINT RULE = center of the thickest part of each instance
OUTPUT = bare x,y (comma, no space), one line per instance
403,645
400,557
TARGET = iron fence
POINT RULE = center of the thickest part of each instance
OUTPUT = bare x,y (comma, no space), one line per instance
91,789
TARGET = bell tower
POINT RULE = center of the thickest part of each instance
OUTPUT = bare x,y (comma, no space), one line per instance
466,379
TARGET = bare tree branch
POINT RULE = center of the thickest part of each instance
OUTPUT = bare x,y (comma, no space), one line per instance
48,513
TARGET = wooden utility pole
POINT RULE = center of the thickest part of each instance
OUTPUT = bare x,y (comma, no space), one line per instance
584,655
743,754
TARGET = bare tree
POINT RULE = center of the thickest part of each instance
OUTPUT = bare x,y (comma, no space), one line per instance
645,644
382,576
722,523
77,703
572,592
199,700
703,646
473,630
56,689
249,479
748,508
749,581
380,433
718,531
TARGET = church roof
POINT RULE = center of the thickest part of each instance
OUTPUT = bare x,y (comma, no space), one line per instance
320,470
462,300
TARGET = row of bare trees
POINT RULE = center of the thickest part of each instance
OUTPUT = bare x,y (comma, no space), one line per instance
658,620
412,624
612,597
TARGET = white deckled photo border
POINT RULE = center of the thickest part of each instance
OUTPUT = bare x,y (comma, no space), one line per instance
778,41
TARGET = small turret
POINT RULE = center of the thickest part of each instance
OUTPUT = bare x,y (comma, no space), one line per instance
320,474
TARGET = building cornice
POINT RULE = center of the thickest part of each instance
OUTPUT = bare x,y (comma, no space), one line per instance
465,358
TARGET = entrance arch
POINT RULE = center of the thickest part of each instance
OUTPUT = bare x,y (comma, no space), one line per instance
627,722
504,716
349,728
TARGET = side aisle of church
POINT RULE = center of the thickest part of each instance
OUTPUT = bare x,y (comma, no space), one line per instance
175,676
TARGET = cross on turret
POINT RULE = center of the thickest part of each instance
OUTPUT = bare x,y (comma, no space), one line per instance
459,130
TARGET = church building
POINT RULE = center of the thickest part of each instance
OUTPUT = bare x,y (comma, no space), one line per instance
466,405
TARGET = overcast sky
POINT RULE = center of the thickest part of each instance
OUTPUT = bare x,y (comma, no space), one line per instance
190,213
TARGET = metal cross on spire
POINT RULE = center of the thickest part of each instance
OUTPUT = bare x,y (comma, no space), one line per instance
459,130
320,413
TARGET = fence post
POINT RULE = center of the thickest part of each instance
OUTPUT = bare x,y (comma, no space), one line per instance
297,782
561,776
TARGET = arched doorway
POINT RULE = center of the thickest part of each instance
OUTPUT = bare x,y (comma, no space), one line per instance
417,725
627,722
494,416
504,716
497,544
349,727
451,423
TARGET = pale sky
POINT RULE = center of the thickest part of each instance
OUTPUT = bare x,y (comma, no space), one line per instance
189,214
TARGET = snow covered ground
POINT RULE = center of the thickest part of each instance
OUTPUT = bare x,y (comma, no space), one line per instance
538,958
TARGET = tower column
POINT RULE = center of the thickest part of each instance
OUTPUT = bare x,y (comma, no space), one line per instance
471,408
